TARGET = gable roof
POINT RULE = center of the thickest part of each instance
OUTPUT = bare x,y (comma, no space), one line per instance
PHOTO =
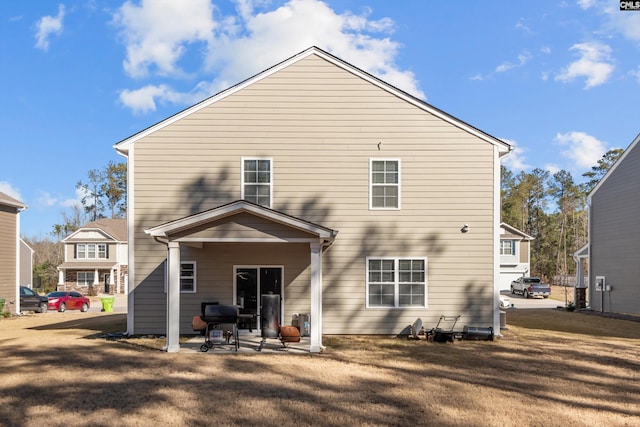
503,147
195,221
613,168
515,231
115,228
7,200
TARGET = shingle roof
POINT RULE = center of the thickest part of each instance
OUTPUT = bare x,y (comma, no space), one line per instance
115,227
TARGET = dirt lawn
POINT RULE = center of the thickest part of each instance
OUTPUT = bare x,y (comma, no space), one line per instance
552,367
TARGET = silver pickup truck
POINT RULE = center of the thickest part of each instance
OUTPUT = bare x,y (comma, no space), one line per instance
530,287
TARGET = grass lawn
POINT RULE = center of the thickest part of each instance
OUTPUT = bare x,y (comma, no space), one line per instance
551,367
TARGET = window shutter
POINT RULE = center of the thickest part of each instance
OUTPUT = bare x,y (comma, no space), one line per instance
107,251
75,250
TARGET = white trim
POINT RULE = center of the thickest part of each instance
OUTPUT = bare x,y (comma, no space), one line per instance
245,240
496,241
131,266
232,209
396,281
166,276
371,184
242,182
258,267
195,277
503,148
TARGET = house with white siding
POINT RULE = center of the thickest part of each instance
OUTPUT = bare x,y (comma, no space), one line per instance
612,268
357,203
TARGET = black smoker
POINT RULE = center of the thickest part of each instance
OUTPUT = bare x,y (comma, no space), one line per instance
215,315
269,317
270,322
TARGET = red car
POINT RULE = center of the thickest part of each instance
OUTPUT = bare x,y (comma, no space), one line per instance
63,301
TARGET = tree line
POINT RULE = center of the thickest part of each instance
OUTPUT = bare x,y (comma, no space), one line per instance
552,208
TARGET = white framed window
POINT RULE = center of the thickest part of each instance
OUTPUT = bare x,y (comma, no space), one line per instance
507,247
384,184
257,180
188,277
85,278
91,251
396,282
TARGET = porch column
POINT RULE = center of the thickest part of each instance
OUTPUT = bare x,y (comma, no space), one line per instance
173,298
61,274
316,298
96,277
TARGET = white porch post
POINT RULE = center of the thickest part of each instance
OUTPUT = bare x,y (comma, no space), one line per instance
173,298
61,274
316,298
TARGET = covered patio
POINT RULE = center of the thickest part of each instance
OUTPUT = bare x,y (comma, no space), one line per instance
237,223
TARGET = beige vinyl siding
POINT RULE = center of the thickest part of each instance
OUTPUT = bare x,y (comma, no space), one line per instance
615,238
320,125
8,257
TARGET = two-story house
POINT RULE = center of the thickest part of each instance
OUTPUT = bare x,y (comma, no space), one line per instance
515,255
95,258
11,250
354,201
611,283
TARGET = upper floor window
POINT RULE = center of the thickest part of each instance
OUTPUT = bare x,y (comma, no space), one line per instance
92,251
396,282
507,247
384,184
257,180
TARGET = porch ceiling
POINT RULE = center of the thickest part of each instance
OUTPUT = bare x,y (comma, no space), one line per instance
241,221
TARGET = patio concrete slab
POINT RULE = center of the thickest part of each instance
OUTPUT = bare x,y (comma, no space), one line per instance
249,344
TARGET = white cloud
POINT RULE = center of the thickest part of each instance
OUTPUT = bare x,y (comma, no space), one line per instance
237,47
47,200
594,64
523,58
582,149
515,161
552,169
48,25
9,190
157,32
144,100
77,201
586,4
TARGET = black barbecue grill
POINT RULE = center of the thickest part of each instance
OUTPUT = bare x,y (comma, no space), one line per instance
215,316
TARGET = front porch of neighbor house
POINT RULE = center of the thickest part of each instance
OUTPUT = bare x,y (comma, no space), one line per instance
233,253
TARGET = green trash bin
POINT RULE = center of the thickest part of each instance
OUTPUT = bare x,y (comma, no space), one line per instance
107,303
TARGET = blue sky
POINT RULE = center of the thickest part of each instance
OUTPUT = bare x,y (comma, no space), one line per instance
559,80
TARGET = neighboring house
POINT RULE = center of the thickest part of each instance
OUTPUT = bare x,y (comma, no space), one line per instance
95,258
10,251
25,277
356,202
515,254
614,238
